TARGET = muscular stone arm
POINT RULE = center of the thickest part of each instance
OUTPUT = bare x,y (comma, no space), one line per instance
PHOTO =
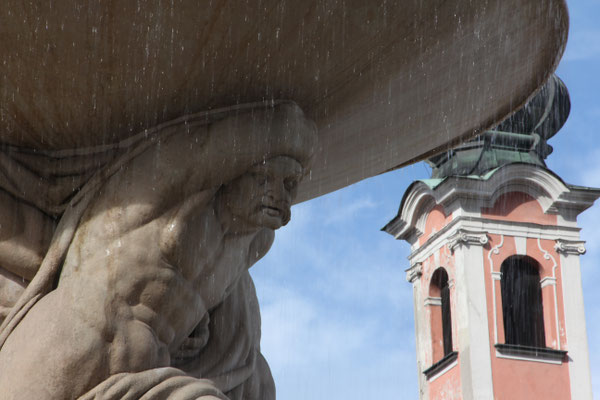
154,384
25,234
105,316
116,306
231,357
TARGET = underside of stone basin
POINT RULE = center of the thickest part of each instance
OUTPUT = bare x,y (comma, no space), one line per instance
387,82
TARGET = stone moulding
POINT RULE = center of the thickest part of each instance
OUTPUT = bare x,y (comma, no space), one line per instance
439,366
432,301
414,272
554,195
570,247
464,237
531,353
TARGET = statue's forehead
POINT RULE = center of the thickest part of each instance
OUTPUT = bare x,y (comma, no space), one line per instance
279,166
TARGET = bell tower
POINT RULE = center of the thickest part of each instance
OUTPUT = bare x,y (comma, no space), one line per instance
494,265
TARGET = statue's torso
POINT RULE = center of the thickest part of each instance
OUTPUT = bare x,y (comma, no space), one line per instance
155,282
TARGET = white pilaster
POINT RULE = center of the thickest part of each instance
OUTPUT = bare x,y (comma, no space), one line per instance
422,334
577,342
472,324
521,245
463,238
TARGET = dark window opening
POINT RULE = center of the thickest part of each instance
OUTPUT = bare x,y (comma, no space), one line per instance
439,286
446,319
522,309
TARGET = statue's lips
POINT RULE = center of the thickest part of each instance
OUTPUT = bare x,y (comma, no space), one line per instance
272,211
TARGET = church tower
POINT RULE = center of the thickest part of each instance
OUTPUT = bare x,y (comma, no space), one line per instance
494,265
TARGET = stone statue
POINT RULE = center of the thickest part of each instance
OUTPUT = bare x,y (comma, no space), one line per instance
138,285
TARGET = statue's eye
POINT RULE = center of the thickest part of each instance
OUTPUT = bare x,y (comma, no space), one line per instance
261,179
290,184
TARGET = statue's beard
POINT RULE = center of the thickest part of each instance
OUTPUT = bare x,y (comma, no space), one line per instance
287,215
277,211
263,215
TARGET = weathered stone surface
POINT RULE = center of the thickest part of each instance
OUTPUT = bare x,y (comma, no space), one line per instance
144,288
387,82
127,230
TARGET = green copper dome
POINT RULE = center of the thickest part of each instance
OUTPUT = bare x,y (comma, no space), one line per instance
520,138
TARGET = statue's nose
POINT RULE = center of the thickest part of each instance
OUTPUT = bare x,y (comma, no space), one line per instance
276,191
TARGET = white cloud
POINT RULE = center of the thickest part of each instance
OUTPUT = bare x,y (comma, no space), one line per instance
296,334
318,352
349,210
336,310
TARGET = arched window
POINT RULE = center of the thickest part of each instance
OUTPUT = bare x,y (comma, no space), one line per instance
441,318
522,302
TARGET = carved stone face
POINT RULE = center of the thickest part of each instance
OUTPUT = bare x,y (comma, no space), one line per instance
262,197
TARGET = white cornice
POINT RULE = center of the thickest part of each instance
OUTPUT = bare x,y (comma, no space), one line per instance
474,227
553,195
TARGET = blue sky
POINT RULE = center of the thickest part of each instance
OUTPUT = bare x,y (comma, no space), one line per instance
337,311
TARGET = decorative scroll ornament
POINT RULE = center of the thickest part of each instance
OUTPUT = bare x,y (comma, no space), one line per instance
462,236
432,301
496,276
414,272
570,247
551,281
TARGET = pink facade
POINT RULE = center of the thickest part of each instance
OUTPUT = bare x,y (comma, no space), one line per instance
513,379
489,236
524,379
447,385
435,220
